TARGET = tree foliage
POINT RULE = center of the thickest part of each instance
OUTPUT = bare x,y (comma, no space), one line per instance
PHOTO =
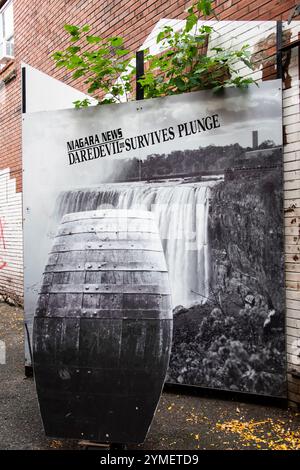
106,69
182,65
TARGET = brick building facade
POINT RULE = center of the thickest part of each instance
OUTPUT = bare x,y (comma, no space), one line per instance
38,31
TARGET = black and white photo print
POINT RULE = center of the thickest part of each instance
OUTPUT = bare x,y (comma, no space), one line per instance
209,169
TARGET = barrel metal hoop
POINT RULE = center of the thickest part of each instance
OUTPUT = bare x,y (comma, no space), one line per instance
104,289
104,266
102,245
104,215
105,314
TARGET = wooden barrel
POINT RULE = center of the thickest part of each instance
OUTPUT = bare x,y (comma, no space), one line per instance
103,327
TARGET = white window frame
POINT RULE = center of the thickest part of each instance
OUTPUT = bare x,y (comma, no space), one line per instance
3,37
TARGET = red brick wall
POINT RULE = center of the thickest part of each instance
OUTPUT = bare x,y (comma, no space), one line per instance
39,31
10,125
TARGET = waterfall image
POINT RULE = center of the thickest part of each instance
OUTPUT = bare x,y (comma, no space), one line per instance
181,211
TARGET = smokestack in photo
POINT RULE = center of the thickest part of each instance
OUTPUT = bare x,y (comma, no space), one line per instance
255,140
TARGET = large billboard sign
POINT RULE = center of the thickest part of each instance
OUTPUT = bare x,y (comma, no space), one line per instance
209,168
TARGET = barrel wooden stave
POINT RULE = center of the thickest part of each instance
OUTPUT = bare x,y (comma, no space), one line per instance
101,377
107,214
73,371
85,422
107,225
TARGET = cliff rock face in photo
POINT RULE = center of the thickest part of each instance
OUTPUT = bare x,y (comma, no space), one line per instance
235,340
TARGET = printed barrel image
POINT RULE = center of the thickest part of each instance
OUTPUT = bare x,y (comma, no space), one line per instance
103,327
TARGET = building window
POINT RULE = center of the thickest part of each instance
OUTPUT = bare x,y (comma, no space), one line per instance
6,32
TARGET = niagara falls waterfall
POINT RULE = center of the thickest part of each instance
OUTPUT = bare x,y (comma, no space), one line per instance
181,212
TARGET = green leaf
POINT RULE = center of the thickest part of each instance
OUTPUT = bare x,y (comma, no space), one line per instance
78,73
217,49
206,29
73,30
93,39
73,49
166,33
116,41
205,7
160,36
107,101
85,29
180,83
75,61
61,63
191,21
57,55
121,52
94,86
248,63
81,103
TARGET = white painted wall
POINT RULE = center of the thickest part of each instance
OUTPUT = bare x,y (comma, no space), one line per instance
11,248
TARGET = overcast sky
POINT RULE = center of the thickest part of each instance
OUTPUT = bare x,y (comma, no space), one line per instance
240,112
